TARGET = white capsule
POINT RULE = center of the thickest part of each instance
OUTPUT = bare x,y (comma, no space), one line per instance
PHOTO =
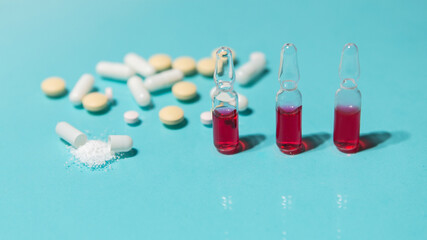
139,64
139,91
163,80
83,86
206,118
242,99
109,93
70,134
250,70
120,143
118,71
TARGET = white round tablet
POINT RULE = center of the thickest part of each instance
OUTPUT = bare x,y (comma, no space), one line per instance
206,118
131,117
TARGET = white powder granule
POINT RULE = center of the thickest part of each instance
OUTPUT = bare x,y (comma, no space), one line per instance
94,153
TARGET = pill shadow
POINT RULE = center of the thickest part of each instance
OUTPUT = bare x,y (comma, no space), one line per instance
178,126
373,139
161,92
256,79
130,154
135,124
247,112
189,101
314,140
94,89
102,112
148,107
59,96
114,80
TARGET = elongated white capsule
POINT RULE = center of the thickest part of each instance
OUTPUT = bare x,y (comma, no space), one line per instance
83,86
120,143
70,134
139,64
118,71
139,92
163,80
250,70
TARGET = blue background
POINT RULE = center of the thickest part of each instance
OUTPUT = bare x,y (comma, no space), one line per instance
178,186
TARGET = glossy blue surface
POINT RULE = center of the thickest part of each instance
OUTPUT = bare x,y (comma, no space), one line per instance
178,186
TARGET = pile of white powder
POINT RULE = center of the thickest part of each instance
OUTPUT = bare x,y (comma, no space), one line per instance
94,153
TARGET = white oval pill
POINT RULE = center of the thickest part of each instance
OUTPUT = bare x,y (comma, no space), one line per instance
113,70
83,86
139,64
160,62
206,118
70,134
163,80
53,86
120,143
139,91
131,117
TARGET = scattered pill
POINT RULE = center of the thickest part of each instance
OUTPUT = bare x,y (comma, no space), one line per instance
131,117
95,102
163,80
83,86
171,115
187,65
206,118
120,143
160,62
109,93
233,54
139,64
206,67
70,134
118,71
184,90
53,86
251,69
139,91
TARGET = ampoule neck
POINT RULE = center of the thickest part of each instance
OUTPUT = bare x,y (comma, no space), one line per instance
348,84
225,86
288,85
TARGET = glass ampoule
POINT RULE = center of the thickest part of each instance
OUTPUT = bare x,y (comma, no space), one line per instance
225,104
289,103
348,102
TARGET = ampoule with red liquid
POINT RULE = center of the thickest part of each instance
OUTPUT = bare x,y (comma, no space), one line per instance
289,103
348,102
225,104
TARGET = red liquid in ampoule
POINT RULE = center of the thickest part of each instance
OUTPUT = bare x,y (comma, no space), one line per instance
288,129
225,129
346,128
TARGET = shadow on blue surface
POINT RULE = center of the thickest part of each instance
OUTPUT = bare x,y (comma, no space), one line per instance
189,101
149,107
178,126
247,112
373,139
249,142
314,140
